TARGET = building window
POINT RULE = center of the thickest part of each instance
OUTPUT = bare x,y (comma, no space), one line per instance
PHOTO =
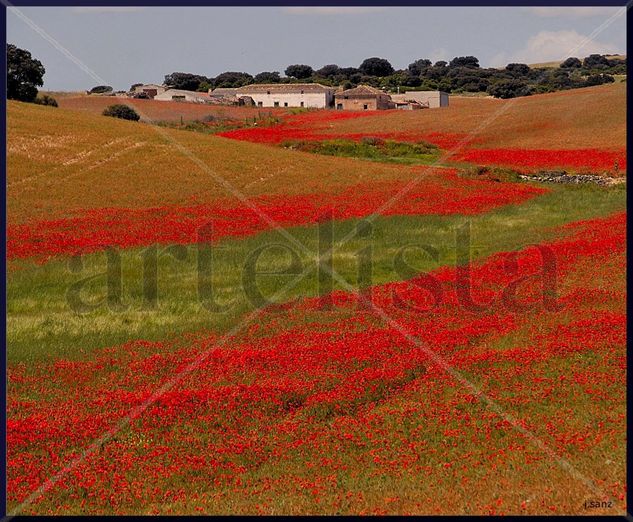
260,104
301,104
339,106
302,92
276,104
365,107
285,104
267,92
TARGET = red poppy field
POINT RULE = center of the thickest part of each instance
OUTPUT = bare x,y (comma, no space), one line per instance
467,357
439,192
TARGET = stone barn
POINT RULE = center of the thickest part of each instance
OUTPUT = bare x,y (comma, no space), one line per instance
363,98
151,89
433,99
183,96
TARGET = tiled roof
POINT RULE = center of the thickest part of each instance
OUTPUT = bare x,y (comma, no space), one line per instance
361,90
224,91
280,88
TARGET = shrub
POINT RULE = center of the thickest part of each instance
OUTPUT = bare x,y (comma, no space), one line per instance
596,61
490,173
518,70
598,79
101,89
571,63
121,111
372,140
46,100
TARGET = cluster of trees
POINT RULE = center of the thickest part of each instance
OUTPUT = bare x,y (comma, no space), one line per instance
461,74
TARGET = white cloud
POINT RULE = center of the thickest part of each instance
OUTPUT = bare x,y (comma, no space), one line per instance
548,46
331,10
107,9
572,12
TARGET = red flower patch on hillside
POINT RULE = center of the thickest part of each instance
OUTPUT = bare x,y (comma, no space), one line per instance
439,191
308,126
316,126
581,159
300,409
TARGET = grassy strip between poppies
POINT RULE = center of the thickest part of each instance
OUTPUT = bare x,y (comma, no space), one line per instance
41,324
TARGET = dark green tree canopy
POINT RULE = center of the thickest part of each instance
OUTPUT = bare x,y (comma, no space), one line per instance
328,71
570,63
185,81
462,74
419,66
596,61
509,89
376,67
518,69
299,71
24,74
598,79
232,79
268,77
464,61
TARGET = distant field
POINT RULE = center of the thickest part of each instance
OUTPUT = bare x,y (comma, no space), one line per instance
61,161
579,130
164,110
591,117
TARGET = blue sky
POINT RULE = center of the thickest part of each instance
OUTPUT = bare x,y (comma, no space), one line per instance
121,46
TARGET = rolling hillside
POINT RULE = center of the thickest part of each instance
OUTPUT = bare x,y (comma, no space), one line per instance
468,354
593,117
60,160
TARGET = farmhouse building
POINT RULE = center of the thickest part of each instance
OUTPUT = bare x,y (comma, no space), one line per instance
309,95
150,89
406,103
433,99
185,96
363,98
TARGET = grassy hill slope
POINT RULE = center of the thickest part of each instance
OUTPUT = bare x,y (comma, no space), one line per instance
60,161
